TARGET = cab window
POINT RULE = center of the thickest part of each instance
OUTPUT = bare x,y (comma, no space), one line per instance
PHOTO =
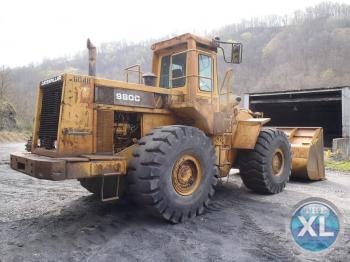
205,73
173,71
164,71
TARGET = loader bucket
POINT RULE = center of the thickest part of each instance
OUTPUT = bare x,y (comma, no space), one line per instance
307,151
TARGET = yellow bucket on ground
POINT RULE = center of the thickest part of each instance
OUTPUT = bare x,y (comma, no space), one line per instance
307,152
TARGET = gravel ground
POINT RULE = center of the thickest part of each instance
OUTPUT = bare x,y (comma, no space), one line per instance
60,221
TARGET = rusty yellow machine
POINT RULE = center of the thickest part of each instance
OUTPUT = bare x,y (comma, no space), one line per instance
166,140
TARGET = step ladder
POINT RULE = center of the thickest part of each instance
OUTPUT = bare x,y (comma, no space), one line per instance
106,179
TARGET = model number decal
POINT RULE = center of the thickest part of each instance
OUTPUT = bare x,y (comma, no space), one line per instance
124,97
127,97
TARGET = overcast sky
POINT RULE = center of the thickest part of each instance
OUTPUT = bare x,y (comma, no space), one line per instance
31,31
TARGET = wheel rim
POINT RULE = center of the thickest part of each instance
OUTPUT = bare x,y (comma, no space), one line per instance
186,175
277,162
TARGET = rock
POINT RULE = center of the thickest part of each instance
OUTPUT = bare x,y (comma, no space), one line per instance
8,114
20,244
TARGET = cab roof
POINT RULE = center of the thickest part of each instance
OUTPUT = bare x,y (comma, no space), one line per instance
183,39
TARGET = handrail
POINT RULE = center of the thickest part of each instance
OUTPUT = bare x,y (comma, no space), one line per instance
130,69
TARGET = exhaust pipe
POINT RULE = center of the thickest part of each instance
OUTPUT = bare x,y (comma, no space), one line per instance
92,58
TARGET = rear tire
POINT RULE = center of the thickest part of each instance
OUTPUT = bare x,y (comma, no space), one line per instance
267,168
173,172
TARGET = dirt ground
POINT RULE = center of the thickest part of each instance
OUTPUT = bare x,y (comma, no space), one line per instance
60,221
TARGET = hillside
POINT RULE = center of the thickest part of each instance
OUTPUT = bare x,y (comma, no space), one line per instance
9,131
8,119
308,49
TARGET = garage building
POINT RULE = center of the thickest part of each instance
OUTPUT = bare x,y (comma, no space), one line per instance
327,107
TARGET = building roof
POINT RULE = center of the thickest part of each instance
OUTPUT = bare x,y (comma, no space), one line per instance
299,91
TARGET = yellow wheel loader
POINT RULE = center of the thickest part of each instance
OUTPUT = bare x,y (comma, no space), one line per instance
167,139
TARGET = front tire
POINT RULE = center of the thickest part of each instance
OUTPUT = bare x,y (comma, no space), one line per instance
173,172
267,168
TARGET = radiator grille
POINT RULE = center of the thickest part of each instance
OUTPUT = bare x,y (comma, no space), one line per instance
50,111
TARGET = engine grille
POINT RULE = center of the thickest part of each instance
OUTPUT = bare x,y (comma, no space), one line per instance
50,111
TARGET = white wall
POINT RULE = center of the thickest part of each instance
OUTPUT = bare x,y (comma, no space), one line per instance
346,111
245,101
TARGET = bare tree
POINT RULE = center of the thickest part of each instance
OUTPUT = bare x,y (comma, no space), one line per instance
5,81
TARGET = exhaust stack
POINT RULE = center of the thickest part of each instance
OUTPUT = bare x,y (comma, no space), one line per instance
92,58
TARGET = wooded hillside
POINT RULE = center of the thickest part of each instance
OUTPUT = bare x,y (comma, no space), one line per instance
308,49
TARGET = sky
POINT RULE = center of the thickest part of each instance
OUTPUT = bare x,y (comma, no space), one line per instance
31,31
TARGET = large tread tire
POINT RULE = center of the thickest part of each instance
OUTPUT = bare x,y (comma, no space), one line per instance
256,165
150,172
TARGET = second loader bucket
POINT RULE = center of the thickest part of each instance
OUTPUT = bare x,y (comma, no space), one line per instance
307,152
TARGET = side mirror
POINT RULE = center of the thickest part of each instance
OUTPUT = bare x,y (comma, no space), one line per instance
236,50
236,53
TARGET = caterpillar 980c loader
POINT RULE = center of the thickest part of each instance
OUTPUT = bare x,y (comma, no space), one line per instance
166,140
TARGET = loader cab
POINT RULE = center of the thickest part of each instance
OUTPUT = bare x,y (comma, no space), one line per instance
187,66
173,71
